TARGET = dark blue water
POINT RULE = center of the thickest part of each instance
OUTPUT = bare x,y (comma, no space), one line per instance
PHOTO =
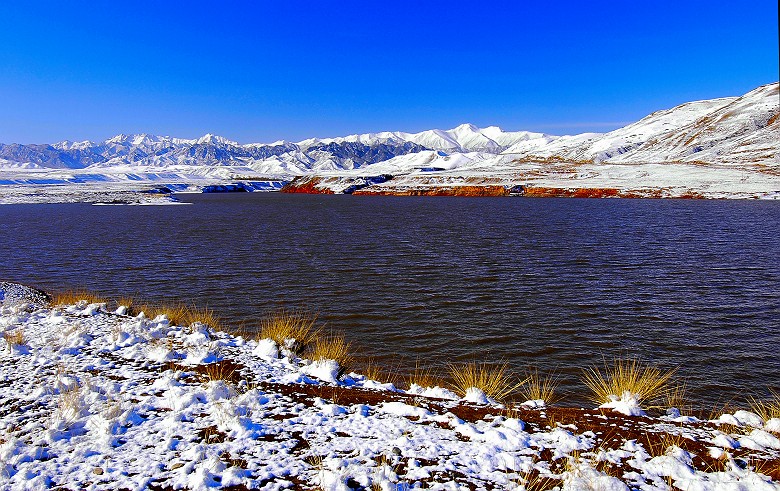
554,283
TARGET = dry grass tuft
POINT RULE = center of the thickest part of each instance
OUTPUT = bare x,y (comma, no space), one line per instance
539,387
767,409
294,330
126,302
628,376
424,376
314,461
494,379
219,371
238,331
72,297
14,338
177,313
373,370
769,468
70,405
204,315
608,468
333,347
675,396
533,480
662,445
148,310
573,462
181,314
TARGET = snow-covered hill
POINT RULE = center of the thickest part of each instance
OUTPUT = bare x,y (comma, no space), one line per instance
730,130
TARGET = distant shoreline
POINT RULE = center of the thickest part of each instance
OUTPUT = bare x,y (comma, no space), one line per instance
151,193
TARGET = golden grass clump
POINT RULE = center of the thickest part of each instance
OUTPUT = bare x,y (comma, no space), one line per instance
72,297
204,315
333,347
662,445
177,313
767,408
373,370
537,387
125,302
629,377
14,338
181,314
148,310
769,468
70,405
424,376
294,330
494,379
676,396
219,371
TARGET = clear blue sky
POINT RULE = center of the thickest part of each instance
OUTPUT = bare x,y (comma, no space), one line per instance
261,71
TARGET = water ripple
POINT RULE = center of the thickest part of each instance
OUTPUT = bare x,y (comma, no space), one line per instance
555,283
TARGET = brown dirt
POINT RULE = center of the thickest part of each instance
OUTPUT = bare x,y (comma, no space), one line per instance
549,192
611,429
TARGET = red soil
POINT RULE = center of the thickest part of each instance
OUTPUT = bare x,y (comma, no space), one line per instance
470,191
306,185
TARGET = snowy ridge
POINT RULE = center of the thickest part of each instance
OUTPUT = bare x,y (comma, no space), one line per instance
727,130
314,154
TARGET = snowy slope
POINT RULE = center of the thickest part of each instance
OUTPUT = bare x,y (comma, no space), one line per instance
728,130
743,130
597,147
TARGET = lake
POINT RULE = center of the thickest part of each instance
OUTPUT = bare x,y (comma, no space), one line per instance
558,284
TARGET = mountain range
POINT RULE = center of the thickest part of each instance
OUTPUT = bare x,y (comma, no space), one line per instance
725,131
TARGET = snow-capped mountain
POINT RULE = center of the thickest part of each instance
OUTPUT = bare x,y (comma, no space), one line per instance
731,130
314,154
728,130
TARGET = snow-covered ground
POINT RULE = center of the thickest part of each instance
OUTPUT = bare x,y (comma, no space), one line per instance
96,399
137,189
718,148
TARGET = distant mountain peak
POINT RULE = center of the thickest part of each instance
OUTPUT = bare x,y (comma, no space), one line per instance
215,139
466,127
120,138
724,130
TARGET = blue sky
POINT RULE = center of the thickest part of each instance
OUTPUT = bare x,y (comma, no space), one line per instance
262,71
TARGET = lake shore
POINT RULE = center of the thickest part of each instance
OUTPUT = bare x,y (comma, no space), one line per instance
97,397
